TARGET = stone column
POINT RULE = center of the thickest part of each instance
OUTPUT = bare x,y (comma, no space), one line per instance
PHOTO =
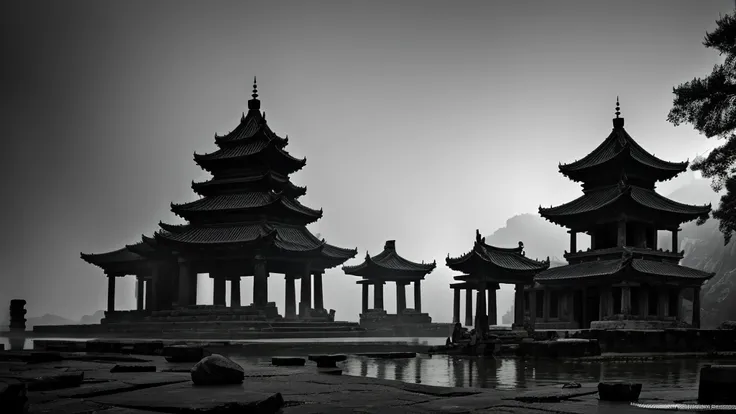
218,293
185,277
455,305
492,307
584,307
400,297
140,293
260,282
149,294
545,305
663,307
235,292
468,307
318,296
674,240
519,305
643,301
626,300
110,293
696,307
364,298
290,304
481,307
573,241
678,309
306,294
621,239
378,295
532,307
418,295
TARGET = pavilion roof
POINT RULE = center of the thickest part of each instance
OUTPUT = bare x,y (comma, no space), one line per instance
119,256
268,178
389,265
494,260
619,144
598,199
625,268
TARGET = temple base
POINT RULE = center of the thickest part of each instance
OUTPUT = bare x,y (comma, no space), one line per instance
638,325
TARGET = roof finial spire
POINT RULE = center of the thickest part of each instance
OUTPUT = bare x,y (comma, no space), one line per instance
254,104
618,107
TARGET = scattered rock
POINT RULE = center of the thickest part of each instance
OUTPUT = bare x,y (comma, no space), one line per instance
133,368
572,385
619,391
717,384
288,361
216,370
185,353
13,399
57,381
327,361
390,355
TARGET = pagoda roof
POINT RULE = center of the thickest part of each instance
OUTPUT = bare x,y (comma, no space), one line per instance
268,177
282,238
624,267
596,200
253,125
245,149
389,265
495,261
119,256
247,201
619,144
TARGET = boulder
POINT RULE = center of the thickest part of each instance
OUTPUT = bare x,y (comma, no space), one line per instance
619,391
572,385
185,353
133,368
327,361
286,361
13,399
717,384
217,370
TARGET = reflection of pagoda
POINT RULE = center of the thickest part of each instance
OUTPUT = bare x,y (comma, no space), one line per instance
247,222
622,281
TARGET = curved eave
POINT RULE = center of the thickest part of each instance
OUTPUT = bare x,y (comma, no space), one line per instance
375,270
169,239
172,228
209,187
474,259
216,161
195,209
117,257
250,124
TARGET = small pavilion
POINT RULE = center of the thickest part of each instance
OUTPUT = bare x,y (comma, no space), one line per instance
486,266
389,266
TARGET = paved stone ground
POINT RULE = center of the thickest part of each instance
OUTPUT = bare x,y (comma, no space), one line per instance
304,390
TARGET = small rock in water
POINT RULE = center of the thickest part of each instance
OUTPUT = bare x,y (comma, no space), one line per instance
572,385
327,361
217,370
133,368
619,391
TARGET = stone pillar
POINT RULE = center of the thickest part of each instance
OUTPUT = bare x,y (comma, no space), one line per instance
378,295
678,309
492,307
400,297
185,277
149,294
545,306
584,324
674,240
663,305
481,307
110,293
455,305
573,241
609,301
218,293
260,282
643,301
235,292
306,294
318,295
532,307
290,304
418,295
140,294
621,240
626,300
364,298
468,307
696,308
519,305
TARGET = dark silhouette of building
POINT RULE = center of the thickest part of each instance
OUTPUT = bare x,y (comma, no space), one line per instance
389,266
623,280
484,267
247,223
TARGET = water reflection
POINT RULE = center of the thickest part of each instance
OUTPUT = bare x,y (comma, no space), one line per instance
519,373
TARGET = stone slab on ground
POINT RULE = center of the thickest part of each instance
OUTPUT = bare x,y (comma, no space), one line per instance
178,397
554,394
133,368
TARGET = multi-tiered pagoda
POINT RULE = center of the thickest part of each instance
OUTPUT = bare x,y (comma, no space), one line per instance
247,222
623,280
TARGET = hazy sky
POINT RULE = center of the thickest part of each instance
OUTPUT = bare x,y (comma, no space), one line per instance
421,121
